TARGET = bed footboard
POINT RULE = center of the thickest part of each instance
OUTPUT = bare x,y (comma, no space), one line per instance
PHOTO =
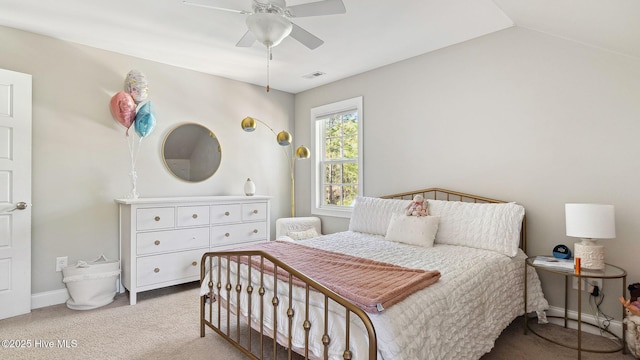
274,311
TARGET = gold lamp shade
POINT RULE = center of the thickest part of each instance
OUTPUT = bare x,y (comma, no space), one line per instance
248,124
284,138
302,152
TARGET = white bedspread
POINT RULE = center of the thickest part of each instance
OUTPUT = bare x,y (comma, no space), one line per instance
459,317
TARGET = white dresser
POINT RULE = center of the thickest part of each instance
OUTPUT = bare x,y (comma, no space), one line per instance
162,239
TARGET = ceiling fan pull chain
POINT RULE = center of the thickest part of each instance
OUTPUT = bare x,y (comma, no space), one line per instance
268,61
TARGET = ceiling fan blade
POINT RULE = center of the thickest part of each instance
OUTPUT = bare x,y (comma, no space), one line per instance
247,39
206,6
306,38
325,7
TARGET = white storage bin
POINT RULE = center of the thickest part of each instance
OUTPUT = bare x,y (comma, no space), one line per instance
91,284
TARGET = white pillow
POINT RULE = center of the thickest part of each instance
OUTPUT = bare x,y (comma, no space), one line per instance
413,230
284,225
302,235
372,215
486,226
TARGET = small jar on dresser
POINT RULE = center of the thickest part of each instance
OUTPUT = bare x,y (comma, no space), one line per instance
162,239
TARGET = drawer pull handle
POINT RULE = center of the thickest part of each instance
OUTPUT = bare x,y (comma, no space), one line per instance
255,211
195,263
255,231
195,216
227,235
157,218
226,213
157,242
156,270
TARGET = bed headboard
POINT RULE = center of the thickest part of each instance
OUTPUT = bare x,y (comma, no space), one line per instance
449,195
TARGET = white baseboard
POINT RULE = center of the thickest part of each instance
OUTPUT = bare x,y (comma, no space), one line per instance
48,298
615,326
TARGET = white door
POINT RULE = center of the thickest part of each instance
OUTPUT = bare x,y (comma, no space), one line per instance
15,193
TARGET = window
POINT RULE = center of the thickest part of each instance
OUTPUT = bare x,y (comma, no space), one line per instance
336,177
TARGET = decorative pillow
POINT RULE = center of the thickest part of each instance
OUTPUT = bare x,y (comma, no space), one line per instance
304,234
413,230
300,223
372,215
493,227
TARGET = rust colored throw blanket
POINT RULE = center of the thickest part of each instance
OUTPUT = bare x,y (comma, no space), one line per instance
369,284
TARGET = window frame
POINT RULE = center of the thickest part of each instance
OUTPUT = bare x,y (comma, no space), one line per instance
317,191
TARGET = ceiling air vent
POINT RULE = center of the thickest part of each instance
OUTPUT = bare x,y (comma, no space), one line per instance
313,75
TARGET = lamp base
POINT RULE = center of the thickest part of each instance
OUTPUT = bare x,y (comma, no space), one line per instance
591,254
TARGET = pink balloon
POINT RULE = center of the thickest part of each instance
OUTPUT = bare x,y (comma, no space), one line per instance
123,108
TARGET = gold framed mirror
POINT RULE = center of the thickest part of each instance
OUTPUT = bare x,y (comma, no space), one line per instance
191,152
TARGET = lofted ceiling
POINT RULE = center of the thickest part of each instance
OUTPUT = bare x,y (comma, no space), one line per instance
371,34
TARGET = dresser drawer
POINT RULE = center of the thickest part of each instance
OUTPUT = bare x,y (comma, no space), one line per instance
238,233
193,215
155,218
172,240
169,267
254,212
223,214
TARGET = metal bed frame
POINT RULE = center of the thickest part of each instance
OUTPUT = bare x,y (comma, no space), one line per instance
229,323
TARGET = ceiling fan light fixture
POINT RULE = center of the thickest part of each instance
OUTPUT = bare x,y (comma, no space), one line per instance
269,28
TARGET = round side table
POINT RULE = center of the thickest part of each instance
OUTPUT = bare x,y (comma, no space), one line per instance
609,272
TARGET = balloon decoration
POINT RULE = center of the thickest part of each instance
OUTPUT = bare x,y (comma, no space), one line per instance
145,120
123,108
136,85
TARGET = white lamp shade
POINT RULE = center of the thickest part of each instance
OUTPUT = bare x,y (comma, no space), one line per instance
269,29
590,221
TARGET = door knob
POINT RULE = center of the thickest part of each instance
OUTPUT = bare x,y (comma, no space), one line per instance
20,206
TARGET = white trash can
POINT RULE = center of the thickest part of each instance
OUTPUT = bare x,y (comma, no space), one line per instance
91,284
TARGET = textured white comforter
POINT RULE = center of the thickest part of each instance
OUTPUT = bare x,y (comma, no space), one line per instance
459,317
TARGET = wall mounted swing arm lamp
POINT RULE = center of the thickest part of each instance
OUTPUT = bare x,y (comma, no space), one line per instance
283,138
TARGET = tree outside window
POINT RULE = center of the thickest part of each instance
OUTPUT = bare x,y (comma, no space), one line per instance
340,163
337,174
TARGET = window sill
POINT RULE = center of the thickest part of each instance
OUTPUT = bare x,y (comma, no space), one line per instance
337,212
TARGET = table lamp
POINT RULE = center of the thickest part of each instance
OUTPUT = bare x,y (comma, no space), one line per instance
590,222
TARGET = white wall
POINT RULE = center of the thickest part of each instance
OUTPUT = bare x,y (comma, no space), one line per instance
515,115
80,154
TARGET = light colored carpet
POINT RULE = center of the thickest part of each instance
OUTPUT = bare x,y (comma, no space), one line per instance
164,324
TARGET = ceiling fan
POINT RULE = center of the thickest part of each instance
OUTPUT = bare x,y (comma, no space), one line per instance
268,21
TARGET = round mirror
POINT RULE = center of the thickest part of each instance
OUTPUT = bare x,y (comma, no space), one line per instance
191,152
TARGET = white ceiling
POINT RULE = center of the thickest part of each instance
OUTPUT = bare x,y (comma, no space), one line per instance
371,34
